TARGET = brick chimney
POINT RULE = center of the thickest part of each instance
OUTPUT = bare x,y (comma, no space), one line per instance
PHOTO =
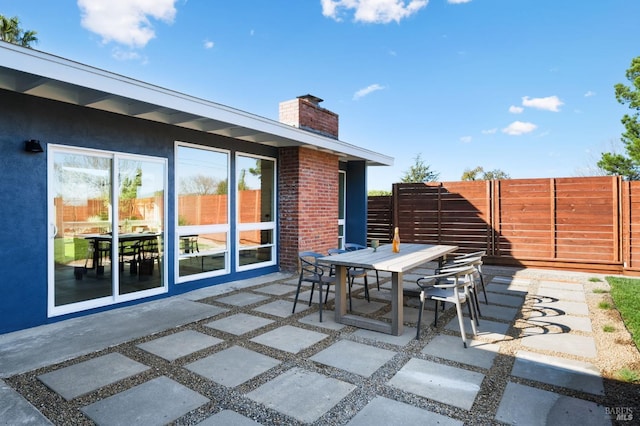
305,113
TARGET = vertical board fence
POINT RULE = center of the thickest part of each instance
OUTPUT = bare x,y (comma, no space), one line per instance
587,223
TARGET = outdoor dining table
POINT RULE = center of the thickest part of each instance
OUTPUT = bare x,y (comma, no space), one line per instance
383,259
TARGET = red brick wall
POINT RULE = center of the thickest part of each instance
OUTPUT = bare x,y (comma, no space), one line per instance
306,115
308,204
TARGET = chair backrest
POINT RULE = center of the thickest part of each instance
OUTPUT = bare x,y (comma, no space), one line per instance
309,267
441,278
336,251
353,246
480,253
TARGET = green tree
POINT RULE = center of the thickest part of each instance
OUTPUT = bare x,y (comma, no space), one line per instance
419,172
479,174
11,32
618,164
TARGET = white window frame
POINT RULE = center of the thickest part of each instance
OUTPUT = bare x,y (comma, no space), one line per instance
201,229
256,226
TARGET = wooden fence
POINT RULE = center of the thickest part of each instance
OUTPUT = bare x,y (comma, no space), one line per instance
587,224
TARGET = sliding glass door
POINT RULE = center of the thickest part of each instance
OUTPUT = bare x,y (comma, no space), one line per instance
107,214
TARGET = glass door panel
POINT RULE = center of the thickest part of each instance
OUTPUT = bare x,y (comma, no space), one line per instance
140,225
81,191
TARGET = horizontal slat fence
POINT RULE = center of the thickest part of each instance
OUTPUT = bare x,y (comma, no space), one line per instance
587,223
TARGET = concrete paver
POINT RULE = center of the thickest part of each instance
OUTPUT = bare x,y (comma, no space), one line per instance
239,324
556,371
228,418
233,366
582,346
384,411
242,299
297,394
156,402
564,322
88,376
550,306
488,330
289,338
354,357
280,308
536,407
451,385
179,344
328,320
478,353
15,410
407,336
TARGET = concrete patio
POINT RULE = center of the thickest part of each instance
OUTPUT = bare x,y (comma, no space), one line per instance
235,354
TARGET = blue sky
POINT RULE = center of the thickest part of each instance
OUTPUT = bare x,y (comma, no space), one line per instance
525,86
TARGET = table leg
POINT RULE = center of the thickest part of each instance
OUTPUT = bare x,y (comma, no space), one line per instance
341,293
397,314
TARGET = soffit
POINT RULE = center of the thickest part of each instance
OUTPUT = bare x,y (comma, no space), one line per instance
35,73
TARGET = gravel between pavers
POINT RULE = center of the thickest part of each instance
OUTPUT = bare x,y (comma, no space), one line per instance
615,350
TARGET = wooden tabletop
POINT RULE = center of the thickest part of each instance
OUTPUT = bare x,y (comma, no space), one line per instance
383,259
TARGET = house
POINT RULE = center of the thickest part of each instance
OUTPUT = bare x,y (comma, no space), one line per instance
115,191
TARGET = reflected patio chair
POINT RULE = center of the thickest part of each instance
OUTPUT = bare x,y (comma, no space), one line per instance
453,286
312,272
149,255
355,246
352,274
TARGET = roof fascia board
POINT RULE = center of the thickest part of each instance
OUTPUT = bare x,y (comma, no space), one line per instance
59,69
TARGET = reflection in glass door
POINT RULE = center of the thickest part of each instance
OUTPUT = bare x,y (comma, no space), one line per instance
140,224
88,254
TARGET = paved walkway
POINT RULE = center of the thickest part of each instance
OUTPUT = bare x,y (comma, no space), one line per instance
235,354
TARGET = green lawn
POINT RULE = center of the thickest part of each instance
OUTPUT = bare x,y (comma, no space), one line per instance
626,297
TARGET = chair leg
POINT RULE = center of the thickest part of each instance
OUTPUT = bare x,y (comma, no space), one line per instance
484,290
476,304
295,301
435,318
319,299
366,289
313,286
461,323
420,315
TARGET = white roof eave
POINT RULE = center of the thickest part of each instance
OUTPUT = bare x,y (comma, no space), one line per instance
40,74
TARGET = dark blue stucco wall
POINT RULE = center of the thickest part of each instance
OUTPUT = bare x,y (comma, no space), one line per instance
23,191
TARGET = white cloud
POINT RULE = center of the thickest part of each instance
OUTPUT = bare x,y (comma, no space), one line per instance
515,109
458,1
518,128
208,44
372,11
125,55
550,103
367,90
125,21
466,139
589,94
489,131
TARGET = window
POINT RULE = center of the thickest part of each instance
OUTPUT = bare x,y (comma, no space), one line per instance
256,196
202,197
107,215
